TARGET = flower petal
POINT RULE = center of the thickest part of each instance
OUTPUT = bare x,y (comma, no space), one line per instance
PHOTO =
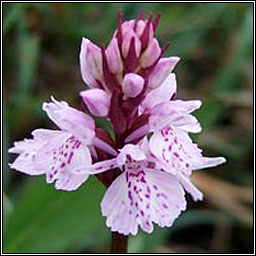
65,159
25,162
176,113
174,148
161,94
189,187
90,63
139,197
130,152
97,101
161,71
70,119
172,151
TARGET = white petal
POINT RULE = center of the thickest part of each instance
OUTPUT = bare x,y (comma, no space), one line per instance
161,94
132,151
70,119
103,166
173,151
65,159
189,187
139,198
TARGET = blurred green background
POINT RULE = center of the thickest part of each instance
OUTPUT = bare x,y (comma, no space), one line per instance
40,58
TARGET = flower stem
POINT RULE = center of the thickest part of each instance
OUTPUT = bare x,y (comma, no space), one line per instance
119,243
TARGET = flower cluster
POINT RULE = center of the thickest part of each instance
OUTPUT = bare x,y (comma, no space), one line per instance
147,166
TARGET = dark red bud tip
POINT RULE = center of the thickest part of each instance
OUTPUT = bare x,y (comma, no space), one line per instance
156,21
164,49
110,83
141,14
131,61
145,35
119,36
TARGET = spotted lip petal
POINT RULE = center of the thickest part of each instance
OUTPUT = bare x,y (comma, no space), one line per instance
175,150
141,197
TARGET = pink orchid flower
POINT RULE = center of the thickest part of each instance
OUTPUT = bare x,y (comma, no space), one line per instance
62,155
147,166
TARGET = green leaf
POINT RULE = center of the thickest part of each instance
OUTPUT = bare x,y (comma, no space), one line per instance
28,50
12,16
46,220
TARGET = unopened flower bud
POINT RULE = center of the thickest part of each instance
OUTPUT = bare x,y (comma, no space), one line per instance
140,26
113,57
97,101
151,54
163,68
127,42
132,85
91,63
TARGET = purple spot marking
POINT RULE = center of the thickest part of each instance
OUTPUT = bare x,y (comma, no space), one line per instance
165,206
70,157
176,154
62,165
143,179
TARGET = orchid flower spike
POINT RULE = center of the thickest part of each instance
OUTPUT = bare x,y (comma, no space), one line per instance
146,161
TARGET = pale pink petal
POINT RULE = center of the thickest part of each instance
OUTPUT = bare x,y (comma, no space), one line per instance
189,187
175,113
127,38
141,24
97,101
188,123
132,85
207,162
175,150
104,146
172,151
161,94
27,150
103,166
114,58
138,133
132,152
90,63
65,159
141,197
161,71
71,120
151,54
186,106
